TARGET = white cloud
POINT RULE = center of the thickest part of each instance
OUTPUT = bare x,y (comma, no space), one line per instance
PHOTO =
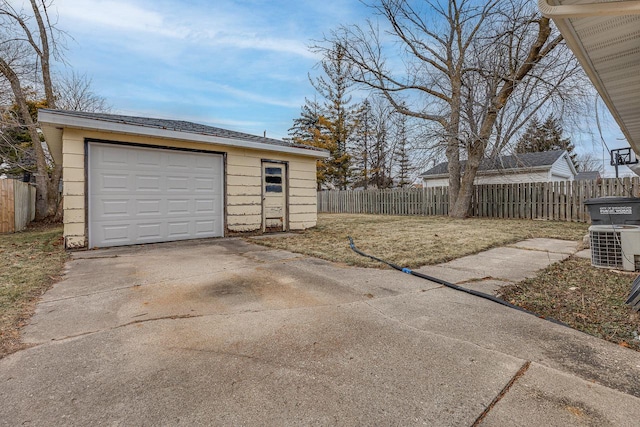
215,27
116,15
252,96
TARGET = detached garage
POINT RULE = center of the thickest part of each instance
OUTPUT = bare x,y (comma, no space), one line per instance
132,180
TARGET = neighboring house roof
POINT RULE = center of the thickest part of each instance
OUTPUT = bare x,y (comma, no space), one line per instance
588,176
604,37
513,163
53,121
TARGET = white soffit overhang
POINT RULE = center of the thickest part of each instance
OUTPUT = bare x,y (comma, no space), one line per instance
605,37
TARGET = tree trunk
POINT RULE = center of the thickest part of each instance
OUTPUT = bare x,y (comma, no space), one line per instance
42,178
460,209
44,54
453,144
477,148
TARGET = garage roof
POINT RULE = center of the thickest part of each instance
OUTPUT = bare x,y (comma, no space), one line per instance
605,37
54,121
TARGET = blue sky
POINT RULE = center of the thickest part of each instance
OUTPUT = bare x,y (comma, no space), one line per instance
241,65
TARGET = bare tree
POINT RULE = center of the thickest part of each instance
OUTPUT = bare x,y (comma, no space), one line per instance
75,92
589,161
28,45
459,64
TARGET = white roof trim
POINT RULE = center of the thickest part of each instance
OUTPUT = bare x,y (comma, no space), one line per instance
565,17
584,10
62,120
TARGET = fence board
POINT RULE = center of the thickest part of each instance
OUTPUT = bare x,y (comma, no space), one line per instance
561,201
17,205
7,206
24,202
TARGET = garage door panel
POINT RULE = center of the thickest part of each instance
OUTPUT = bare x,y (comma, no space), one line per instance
180,162
113,207
148,182
111,182
177,183
115,233
205,184
203,162
205,227
178,229
148,231
136,198
176,207
149,207
112,156
149,158
205,206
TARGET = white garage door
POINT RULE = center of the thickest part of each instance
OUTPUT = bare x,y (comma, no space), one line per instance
144,195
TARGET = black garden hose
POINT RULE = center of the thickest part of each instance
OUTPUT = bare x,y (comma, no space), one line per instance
451,285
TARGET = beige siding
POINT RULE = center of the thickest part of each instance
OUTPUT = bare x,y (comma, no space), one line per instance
73,189
243,183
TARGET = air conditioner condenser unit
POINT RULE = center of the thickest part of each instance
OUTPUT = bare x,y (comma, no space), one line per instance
615,246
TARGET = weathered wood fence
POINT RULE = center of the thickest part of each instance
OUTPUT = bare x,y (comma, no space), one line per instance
17,205
561,201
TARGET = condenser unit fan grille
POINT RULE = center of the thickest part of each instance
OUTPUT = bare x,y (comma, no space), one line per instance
605,249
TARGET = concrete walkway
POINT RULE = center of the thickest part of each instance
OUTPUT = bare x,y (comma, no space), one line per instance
489,270
223,332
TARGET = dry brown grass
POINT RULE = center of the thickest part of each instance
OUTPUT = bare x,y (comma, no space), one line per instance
589,299
412,241
30,262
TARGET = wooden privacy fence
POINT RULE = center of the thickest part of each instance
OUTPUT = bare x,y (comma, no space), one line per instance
17,205
561,201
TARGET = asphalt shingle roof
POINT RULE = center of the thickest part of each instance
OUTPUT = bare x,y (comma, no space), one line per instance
182,126
588,175
524,160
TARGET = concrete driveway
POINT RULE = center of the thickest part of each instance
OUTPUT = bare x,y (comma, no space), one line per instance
223,332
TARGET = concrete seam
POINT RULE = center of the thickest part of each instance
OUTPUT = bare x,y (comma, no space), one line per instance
502,393
540,250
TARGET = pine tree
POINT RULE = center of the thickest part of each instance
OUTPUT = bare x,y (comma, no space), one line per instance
380,155
545,137
361,146
339,112
312,128
401,153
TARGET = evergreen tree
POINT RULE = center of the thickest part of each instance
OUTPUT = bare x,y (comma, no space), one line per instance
547,136
338,113
361,147
380,153
401,153
312,128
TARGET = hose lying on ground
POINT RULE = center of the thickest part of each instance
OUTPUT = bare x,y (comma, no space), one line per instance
451,285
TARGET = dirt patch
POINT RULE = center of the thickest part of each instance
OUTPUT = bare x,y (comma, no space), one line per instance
589,299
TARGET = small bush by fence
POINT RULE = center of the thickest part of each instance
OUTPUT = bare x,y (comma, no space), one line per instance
561,201
17,205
